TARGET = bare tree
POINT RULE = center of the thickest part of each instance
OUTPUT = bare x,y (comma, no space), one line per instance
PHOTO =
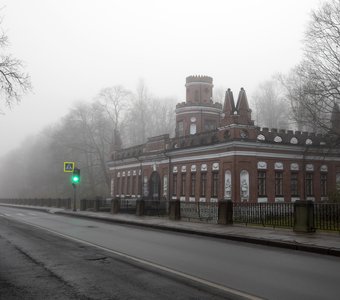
14,82
161,117
313,87
219,94
271,109
137,119
114,99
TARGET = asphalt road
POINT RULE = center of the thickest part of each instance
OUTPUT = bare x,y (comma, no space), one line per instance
256,270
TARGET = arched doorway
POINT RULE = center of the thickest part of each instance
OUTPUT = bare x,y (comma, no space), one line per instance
155,186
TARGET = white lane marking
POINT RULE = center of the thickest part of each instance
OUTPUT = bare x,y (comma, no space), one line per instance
20,214
7,215
154,265
31,214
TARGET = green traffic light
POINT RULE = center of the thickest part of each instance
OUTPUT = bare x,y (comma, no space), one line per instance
75,179
75,176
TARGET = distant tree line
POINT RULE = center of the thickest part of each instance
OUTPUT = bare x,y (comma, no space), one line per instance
85,135
305,98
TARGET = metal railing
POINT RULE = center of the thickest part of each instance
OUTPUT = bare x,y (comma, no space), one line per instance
199,211
95,204
46,202
327,216
128,206
155,207
265,214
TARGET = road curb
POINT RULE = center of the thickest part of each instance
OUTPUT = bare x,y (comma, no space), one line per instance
232,237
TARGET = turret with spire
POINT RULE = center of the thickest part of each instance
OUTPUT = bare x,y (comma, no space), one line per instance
241,114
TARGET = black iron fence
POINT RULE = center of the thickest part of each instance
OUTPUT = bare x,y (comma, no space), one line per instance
199,211
265,214
46,202
128,206
155,207
98,204
327,216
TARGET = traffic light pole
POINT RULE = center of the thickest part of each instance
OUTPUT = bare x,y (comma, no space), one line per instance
74,196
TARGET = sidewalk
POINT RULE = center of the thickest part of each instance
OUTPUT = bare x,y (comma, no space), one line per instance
320,242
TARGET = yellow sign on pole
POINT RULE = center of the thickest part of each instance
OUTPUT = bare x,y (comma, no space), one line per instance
68,166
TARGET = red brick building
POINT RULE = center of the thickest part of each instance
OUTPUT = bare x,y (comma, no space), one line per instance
218,153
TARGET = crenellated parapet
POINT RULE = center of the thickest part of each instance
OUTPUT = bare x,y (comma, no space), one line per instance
281,136
262,135
199,78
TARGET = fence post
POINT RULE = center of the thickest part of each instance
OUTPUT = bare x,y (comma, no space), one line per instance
97,203
68,203
225,212
304,216
115,205
174,209
82,204
140,205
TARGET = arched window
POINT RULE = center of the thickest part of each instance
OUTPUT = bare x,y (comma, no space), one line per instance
193,128
227,185
244,185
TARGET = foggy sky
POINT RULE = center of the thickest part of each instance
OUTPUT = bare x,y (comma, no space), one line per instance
72,49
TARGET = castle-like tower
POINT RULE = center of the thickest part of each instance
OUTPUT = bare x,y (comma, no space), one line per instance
198,113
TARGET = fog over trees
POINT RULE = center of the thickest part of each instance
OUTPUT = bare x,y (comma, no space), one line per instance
311,90
84,135
304,99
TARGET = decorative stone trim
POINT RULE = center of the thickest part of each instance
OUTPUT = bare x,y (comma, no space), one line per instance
139,172
311,198
279,199
184,169
262,165
261,137
202,199
213,200
215,166
324,168
294,140
294,167
192,199
262,200
309,142
123,174
182,199
174,169
118,174
129,173
204,167
309,168
293,199
278,139
134,173
193,168
278,166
